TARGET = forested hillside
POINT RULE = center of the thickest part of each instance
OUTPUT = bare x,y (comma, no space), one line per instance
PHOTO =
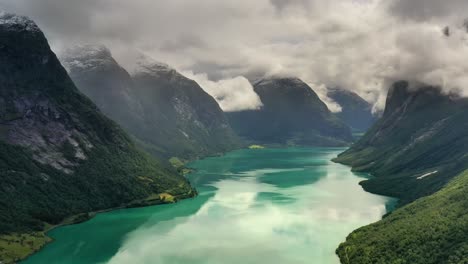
418,153
418,145
59,156
431,230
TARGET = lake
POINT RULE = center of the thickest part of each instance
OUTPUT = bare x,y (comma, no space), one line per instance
289,205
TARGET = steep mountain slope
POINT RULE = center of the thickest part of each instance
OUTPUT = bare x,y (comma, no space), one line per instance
356,112
167,113
431,230
292,113
417,147
59,156
95,72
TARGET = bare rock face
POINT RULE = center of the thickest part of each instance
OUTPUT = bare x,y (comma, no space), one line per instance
29,117
39,126
59,155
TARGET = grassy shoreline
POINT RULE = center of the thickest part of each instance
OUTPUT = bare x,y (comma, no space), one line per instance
17,247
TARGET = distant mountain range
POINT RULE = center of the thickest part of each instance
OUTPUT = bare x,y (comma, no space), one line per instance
355,111
291,114
418,153
169,114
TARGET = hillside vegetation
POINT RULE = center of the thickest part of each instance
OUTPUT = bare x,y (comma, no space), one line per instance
431,230
418,145
418,153
59,156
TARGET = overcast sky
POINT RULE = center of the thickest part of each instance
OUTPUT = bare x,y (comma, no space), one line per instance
360,45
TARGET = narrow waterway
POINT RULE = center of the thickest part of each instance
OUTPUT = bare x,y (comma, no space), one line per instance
255,206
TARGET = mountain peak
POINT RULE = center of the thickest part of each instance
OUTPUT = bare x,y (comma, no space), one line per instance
60,155
87,57
355,111
275,79
89,50
14,22
340,90
401,94
147,65
292,113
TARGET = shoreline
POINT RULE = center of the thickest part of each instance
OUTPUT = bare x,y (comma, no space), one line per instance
86,216
154,200
393,206
149,201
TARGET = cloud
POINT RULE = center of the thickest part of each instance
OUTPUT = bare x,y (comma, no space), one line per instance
322,93
424,10
361,45
235,94
182,43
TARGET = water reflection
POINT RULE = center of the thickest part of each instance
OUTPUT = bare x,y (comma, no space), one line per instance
270,206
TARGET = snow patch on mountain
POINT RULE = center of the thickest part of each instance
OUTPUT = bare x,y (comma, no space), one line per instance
87,57
427,174
147,65
15,22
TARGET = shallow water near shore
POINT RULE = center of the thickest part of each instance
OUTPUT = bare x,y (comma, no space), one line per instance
288,205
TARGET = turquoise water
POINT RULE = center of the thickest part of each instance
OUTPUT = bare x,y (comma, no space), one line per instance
255,206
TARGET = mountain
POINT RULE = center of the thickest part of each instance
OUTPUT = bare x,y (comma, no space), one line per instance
292,113
192,119
417,146
59,155
417,153
95,72
169,114
431,230
355,111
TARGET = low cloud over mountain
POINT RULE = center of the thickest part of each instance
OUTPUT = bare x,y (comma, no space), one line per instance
363,45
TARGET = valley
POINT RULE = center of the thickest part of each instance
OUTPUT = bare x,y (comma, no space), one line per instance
108,155
276,205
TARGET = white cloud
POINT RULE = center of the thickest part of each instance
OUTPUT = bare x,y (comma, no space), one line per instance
362,45
322,93
232,95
